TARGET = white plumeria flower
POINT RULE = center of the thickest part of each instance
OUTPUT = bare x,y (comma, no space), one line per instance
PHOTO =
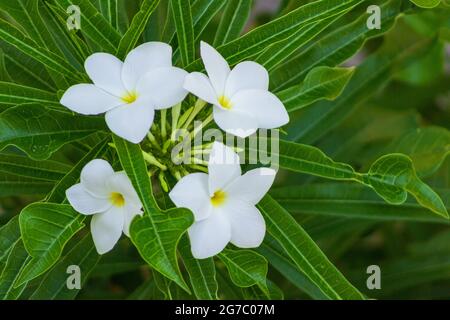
110,197
131,91
242,102
223,203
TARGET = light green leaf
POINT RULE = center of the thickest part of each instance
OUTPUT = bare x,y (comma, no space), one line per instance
134,32
182,15
428,148
320,83
39,131
46,228
233,21
426,3
157,233
304,252
246,268
393,176
14,94
54,285
202,273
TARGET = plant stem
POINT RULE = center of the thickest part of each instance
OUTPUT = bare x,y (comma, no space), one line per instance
175,116
163,124
152,140
197,108
198,167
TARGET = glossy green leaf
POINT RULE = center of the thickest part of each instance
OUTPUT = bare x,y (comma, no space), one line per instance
54,285
131,37
9,235
13,185
303,251
233,21
9,288
182,15
246,268
39,131
157,233
320,83
202,273
14,94
46,228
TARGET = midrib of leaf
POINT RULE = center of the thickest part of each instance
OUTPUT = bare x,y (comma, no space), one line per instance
204,282
186,45
233,19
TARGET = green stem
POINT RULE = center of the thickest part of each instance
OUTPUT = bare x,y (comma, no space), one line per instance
197,108
175,116
152,140
163,124
198,167
152,160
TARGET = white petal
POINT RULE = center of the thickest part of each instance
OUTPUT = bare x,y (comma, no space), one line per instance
163,86
216,67
142,59
210,236
247,75
94,177
131,121
264,105
236,122
131,211
199,85
84,202
88,99
192,192
247,224
223,167
253,185
119,182
106,228
105,70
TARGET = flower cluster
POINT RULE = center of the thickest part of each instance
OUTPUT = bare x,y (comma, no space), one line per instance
222,200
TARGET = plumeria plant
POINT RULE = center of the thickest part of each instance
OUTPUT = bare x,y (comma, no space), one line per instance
184,149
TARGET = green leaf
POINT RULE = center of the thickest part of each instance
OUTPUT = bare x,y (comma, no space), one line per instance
24,167
246,268
9,235
54,285
427,147
58,193
15,37
13,185
202,273
39,131
157,233
17,257
320,83
289,270
258,39
426,3
131,37
46,228
182,15
14,94
109,9
94,26
350,201
393,176
334,47
233,21
306,255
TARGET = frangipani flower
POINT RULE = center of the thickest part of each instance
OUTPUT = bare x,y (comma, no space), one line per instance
131,91
110,197
223,203
242,102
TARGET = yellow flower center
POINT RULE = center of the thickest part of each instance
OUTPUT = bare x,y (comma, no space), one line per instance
225,102
117,199
129,97
218,198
